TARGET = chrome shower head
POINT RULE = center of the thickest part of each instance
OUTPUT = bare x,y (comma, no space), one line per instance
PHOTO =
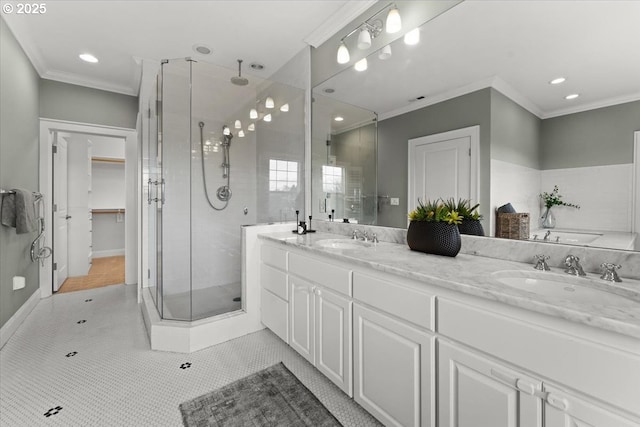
239,80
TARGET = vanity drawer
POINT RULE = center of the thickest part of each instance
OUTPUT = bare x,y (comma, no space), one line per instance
322,273
274,281
405,303
274,256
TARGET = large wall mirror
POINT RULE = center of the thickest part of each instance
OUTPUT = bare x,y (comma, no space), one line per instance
490,64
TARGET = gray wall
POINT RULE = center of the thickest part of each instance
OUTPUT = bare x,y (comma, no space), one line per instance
515,132
19,129
63,101
597,137
393,133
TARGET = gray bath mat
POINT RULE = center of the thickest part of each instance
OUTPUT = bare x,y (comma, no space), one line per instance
271,397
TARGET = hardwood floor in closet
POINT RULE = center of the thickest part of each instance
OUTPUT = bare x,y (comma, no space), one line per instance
103,272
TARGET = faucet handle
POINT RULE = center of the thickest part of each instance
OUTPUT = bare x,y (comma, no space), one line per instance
609,272
365,236
354,235
374,238
541,262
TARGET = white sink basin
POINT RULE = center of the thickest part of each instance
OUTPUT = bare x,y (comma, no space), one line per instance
342,244
568,288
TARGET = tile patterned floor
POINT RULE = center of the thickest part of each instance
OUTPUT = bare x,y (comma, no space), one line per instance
83,359
103,272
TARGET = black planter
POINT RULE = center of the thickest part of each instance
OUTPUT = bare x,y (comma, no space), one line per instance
438,238
472,227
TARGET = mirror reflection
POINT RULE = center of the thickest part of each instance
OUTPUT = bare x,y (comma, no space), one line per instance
497,74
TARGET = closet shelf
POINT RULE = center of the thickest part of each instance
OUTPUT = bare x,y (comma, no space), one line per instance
107,211
107,160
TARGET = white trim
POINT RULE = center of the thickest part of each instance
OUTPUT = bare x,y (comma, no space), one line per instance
592,106
473,133
508,91
76,79
11,326
107,253
337,21
635,195
47,128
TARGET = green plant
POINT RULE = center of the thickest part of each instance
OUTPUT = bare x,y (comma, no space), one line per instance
435,211
464,208
555,199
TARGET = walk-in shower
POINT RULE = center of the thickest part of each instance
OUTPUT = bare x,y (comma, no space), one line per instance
213,164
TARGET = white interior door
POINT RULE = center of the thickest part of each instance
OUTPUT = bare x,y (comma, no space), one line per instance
60,214
444,165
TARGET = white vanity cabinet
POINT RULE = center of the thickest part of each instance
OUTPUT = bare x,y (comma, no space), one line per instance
320,313
274,292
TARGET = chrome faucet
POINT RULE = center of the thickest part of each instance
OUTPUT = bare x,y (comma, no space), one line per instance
546,235
541,262
374,238
354,235
609,272
364,236
573,266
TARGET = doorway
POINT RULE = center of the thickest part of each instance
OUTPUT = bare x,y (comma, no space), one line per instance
444,165
89,211
52,132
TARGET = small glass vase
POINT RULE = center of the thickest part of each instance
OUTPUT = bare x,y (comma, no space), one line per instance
548,219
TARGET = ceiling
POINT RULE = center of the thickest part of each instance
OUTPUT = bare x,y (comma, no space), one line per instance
121,33
516,47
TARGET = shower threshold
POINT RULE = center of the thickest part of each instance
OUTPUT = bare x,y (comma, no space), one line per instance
203,303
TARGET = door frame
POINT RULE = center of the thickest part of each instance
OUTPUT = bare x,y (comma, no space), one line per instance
473,133
635,194
47,129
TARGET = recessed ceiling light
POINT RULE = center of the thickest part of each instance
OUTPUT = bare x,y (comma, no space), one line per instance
87,57
329,90
202,49
338,118
557,81
256,66
572,96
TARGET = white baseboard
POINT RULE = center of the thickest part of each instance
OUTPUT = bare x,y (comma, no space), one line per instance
109,252
9,328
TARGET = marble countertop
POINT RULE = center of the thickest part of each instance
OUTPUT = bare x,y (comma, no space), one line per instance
478,276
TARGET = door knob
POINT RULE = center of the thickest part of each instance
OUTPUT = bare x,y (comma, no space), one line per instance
67,217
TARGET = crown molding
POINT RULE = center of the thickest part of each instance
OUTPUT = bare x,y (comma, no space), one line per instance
29,47
593,106
508,91
342,17
78,80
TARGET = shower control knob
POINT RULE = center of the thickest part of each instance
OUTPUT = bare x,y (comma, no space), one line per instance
245,210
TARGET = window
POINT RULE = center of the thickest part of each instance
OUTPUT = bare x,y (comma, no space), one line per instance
332,179
283,175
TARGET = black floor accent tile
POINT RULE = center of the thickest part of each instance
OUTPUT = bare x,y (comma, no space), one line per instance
88,300
73,353
80,322
53,411
185,365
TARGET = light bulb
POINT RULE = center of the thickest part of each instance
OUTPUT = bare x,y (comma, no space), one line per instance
225,130
267,118
284,108
253,114
394,22
268,103
361,65
412,37
343,54
364,39
251,127
385,52
237,124
241,133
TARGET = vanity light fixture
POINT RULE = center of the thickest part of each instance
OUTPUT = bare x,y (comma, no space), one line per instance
338,118
394,22
572,96
237,124
251,127
87,57
284,108
343,53
267,118
557,81
412,37
361,65
241,133
385,52
268,103
253,114
369,30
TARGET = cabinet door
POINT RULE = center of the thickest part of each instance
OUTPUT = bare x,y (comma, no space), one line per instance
562,409
275,314
392,369
301,316
474,391
333,338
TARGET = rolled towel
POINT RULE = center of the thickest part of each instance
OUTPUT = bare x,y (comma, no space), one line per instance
8,213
